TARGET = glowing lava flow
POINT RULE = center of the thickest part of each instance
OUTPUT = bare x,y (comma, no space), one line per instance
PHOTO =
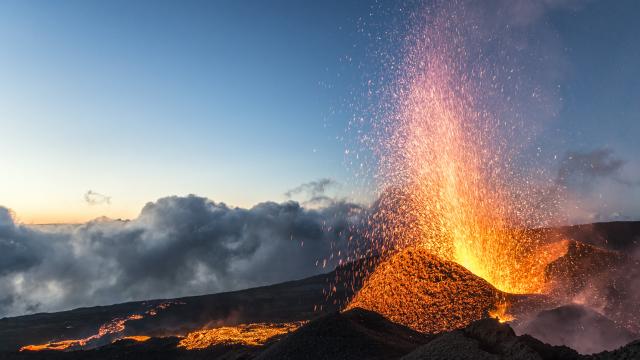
244,334
113,327
138,338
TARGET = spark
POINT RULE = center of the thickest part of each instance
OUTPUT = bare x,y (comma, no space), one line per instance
453,182
450,179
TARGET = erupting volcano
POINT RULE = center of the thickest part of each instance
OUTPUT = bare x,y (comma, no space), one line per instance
450,148
458,248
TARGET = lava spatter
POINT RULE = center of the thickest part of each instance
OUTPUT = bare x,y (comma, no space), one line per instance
417,289
449,142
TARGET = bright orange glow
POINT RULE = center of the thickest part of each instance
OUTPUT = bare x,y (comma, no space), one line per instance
59,345
452,179
458,224
462,209
245,334
426,293
113,327
500,312
138,338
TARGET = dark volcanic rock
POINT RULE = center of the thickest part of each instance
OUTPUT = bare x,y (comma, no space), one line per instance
355,334
600,279
488,339
629,352
580,264
453,345
617,235
578,327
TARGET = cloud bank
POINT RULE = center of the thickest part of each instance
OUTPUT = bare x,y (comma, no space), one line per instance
177,246
94,198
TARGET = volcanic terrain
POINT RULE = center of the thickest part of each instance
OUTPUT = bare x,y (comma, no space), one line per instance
413,305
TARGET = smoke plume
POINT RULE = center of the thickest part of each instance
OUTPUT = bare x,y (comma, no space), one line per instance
314,192
582,168
600,186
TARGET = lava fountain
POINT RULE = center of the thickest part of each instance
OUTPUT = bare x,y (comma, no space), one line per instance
453,177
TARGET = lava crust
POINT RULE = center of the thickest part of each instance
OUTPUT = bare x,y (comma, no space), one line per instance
419,290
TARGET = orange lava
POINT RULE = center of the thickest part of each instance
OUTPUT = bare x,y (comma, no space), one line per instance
500,312
426,293
59,345
451,172
113,327
244,334
138,338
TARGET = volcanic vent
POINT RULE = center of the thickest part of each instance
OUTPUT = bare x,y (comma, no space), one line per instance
459,192
426,293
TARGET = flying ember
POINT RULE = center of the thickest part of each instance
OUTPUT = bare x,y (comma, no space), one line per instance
449,143
456,183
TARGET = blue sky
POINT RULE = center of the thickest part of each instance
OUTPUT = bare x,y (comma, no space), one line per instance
140,100
602,90
238,101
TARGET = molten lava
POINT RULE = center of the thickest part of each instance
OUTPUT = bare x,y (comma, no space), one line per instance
458,199
244,334
500,312
113,327
59,345
451,171
426,293
138,338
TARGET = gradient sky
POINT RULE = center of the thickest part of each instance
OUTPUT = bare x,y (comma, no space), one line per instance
237,101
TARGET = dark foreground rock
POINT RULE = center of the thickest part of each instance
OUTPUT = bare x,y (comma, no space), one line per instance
602,279
355,334
628,352
488,339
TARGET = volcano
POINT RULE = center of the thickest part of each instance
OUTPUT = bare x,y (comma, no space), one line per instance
427,294
413,305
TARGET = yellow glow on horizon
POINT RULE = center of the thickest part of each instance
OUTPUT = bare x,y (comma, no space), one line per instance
69,217
58,210
78,212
